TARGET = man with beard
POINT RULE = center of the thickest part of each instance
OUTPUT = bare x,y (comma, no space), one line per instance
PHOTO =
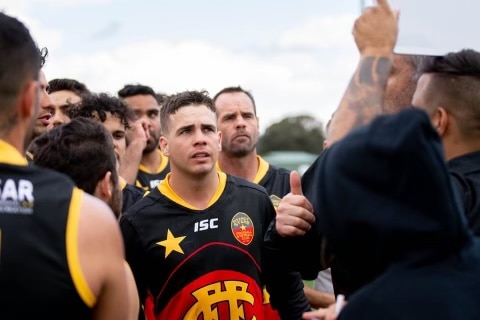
144,164
238,122
61,251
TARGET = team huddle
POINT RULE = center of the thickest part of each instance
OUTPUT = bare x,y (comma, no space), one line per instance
145,205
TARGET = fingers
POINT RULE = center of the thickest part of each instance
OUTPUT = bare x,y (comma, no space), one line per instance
396,13
383,4
294,215
145,128
295,183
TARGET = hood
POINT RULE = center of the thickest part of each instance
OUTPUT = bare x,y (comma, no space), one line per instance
385,197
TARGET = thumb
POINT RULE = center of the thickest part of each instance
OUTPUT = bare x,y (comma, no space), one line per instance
295,183
396,13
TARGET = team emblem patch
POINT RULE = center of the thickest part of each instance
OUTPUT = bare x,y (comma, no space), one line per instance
275,200
242,228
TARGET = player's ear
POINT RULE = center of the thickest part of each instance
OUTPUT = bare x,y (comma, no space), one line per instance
164,146
104,187
440,120
219,140
30,99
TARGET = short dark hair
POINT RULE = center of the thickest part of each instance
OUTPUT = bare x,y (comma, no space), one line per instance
20,61
182,99
237,89
161,98
454,85
130,90
82,149
59,84
97,104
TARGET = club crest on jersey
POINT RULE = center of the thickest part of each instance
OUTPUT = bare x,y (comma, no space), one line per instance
242,228
275,200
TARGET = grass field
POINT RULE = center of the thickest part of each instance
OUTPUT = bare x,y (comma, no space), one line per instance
308,283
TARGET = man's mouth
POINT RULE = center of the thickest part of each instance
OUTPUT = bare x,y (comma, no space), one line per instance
45,118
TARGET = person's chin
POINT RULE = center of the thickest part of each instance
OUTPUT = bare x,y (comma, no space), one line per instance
39,129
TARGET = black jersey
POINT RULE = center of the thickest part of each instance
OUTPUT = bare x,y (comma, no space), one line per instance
130,195
40,275
149,180
275,180
193,264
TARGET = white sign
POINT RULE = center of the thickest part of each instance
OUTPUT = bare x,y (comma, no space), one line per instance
436,27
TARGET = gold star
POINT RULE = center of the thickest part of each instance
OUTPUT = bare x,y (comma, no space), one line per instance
171,244
243,227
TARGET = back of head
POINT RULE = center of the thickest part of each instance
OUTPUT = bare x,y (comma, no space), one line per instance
386,197
20,62
454,85
95,106
81,149
182,99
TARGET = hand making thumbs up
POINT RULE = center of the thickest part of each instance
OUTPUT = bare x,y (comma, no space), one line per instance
295,213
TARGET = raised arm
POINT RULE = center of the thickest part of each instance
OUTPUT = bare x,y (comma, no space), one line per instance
375,33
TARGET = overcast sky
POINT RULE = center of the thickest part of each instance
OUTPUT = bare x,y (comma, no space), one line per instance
295,56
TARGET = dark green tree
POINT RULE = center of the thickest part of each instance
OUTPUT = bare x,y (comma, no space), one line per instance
298,133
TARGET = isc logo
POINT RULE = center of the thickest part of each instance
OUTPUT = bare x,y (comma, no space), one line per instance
206,224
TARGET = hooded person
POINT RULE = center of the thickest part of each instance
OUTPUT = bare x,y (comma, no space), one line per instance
391,217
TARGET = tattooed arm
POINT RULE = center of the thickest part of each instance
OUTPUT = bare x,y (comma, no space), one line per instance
375,33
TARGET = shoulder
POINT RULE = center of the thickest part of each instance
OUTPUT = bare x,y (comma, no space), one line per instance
244,184
144,203
279,171
96,213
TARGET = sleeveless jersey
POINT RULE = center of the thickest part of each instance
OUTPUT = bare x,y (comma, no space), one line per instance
40,275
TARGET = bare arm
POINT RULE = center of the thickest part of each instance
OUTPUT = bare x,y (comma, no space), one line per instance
101,257
130,161
375,33
132,293
318,299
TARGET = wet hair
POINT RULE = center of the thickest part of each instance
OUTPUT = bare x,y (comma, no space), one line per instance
182,99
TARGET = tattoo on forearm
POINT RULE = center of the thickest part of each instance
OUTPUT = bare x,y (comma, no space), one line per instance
365,74
363,99
383,67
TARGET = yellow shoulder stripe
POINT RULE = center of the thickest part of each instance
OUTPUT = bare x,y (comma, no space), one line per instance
73,259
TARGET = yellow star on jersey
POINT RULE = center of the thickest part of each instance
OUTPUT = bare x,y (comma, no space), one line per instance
171,244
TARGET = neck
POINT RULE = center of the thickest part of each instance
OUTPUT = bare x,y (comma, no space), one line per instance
195,190
453,150
14,138
151,160
244,167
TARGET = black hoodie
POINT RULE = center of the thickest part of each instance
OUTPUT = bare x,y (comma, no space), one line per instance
385,203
